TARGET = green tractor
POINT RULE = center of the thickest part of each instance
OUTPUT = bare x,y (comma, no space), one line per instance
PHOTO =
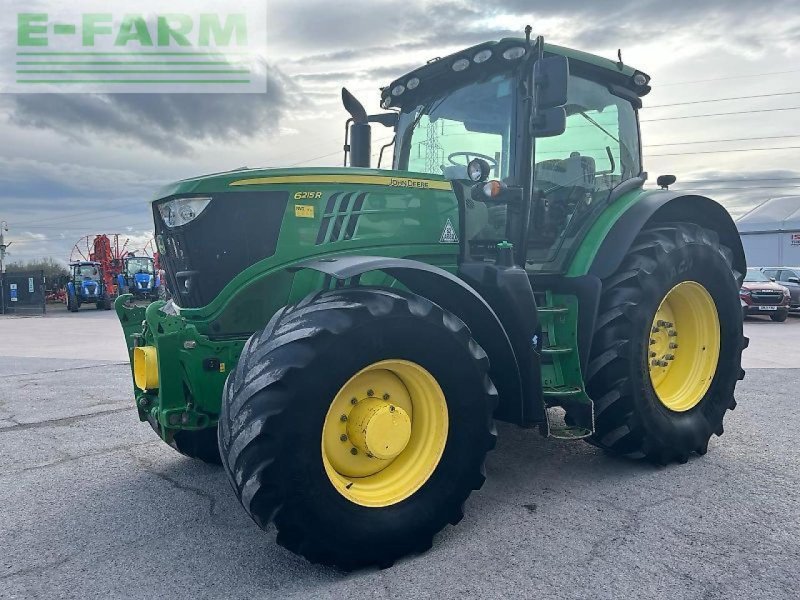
342,339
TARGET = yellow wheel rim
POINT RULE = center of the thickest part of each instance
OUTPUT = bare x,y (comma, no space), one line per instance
384,433
684,346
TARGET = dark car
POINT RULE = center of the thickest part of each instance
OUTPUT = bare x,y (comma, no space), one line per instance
789,277
762,296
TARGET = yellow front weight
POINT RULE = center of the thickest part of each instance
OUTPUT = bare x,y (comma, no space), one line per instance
145,367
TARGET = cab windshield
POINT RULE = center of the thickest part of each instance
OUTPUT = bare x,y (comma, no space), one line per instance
444,133
140,265
87,272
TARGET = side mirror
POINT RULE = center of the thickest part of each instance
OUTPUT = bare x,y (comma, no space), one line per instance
550,76
549,122
794,280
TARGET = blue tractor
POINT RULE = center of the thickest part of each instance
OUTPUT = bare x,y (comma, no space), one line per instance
86,286
139,277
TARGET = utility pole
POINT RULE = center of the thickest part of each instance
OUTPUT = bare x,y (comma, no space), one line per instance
3,246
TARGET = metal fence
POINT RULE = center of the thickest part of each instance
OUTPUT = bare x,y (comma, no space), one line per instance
22,293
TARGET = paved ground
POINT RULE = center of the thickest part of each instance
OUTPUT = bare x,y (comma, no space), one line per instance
94,507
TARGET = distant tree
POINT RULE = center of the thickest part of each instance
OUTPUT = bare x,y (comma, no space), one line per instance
53,269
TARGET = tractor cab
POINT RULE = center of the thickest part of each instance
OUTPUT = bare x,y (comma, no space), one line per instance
469,117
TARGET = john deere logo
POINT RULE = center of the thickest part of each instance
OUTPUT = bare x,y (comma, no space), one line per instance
135,46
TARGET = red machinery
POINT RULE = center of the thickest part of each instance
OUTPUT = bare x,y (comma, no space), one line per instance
104,249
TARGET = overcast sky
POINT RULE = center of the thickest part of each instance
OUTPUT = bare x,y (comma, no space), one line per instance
72,165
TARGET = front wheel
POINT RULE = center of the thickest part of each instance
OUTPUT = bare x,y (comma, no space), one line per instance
780,316
72,302
358,422
666,355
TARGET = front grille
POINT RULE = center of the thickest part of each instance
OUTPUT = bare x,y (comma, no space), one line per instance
235,231
767,297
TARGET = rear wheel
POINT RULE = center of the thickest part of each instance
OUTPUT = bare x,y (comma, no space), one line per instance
358,422
666,355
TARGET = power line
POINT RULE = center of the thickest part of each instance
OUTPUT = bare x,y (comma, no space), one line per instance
723,151
776,94
729,77
746,139
738,112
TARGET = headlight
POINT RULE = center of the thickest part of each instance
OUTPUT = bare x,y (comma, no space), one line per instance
514,53
477,170
181,211
461,64
744,292
786,293
482,56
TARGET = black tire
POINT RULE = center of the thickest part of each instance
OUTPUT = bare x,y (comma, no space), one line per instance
276,400
72,302
200,444
629,418
780,317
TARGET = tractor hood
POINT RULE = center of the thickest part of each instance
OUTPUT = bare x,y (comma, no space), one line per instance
209,229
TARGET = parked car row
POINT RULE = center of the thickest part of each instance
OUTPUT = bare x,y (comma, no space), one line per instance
761,294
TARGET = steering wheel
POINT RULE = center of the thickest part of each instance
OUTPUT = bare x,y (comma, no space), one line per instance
469,156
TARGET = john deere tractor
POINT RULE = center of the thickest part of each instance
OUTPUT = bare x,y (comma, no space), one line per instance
343,339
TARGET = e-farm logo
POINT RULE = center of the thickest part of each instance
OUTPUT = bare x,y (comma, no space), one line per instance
136,46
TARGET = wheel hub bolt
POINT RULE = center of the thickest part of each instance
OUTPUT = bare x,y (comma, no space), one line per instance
343,437
655,329
673,345
652,341
370,393
662,363
652,354
386,396
672,333
353,401
343,418
669,356
353,451
661,323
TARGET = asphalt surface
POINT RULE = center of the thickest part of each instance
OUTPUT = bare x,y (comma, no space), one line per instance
92,505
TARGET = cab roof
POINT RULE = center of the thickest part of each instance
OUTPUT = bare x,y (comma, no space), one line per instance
440,70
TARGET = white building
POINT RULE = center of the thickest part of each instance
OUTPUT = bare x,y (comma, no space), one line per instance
771,233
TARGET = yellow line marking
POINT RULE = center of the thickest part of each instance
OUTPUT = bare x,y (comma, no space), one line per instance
401,182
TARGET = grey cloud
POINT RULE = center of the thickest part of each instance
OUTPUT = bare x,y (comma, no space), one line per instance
165,122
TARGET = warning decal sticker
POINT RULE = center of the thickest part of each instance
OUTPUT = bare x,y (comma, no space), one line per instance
449,235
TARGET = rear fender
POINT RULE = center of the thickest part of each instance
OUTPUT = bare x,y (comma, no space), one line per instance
664,207
454,295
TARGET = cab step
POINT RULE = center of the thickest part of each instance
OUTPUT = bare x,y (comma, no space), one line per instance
552,310
560,392
551,350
